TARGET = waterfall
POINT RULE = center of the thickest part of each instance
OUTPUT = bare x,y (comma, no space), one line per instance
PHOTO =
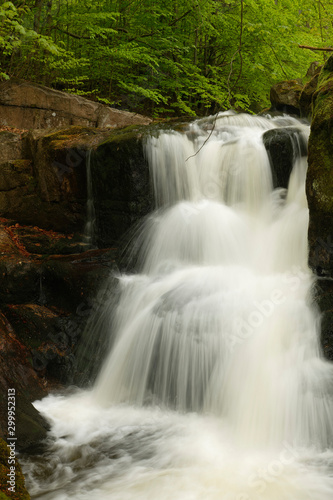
215,386
89,229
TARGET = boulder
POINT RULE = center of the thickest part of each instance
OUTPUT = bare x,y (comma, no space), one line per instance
27,105
283,145
285,96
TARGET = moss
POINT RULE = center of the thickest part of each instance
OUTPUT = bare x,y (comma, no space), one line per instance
20,490
67,137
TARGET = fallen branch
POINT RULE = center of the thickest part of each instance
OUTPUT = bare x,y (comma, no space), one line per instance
326,49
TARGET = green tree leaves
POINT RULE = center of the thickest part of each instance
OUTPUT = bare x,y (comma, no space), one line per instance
163,57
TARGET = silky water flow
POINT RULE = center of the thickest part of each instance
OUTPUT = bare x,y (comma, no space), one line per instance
215,387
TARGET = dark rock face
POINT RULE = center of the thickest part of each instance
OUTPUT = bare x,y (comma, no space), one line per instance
30,106
283,146
121,184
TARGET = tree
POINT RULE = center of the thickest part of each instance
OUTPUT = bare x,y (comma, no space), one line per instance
157,57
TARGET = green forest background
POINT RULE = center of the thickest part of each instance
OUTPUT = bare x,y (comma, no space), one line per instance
164,57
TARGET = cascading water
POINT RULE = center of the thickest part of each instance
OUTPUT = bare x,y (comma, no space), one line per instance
215,387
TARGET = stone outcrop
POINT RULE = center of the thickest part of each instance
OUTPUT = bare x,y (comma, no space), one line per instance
26,105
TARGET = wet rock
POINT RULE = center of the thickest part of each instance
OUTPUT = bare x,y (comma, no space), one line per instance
283,145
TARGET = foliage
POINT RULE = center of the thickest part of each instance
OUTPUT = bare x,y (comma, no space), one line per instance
159,57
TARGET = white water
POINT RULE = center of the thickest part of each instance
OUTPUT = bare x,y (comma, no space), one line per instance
215,387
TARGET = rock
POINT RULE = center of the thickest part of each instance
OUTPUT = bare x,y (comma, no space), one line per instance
120,203
20,279
285,96
17,373
11,146
314,69
21,492
319,184
48,299
42,242
283,145
48,188
26,105
324,299
305,100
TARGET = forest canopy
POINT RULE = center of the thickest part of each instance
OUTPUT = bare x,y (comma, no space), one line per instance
163,57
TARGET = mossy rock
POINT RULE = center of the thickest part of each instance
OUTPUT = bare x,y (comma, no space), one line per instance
20,492
319,183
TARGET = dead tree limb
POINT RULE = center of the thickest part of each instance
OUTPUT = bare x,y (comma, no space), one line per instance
326,49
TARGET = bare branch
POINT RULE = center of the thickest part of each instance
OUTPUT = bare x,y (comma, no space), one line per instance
326,49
